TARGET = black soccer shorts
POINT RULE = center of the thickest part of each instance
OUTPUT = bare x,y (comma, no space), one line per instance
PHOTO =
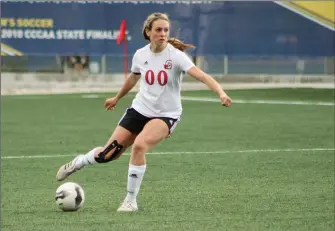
134,121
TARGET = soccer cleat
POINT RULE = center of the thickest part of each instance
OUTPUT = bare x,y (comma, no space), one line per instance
128,206
68,168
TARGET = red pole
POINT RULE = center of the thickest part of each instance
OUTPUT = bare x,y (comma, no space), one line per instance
122,37
125,59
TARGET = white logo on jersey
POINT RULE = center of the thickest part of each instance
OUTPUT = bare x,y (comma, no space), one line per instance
171,122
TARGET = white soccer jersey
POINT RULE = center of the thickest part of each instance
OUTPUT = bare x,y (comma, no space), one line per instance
161,77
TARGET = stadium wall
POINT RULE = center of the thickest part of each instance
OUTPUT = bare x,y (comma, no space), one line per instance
215,28
243,44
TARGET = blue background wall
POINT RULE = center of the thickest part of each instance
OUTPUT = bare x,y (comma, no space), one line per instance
227,28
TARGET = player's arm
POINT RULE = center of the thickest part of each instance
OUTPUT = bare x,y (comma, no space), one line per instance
128,85
198,74
132,78
130,82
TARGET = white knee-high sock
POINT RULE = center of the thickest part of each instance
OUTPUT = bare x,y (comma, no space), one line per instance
135,177
87,159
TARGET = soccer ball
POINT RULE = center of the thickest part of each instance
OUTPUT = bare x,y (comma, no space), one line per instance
70,196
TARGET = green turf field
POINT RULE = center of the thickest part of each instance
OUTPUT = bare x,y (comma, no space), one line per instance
248,167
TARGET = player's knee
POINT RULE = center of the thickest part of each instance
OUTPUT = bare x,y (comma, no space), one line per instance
143,144
139,148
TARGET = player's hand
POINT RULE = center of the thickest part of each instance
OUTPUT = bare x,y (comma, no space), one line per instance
225,100
110,103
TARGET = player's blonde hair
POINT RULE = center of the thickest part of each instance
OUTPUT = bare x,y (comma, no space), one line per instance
147,26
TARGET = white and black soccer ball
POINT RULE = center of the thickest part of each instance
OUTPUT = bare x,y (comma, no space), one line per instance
70,196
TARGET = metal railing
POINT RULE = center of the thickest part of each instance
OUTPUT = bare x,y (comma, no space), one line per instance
218,65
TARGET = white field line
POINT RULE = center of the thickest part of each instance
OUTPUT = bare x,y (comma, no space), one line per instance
181,153
261,101
207,99
204,99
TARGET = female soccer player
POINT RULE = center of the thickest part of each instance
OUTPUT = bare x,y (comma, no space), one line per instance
156,109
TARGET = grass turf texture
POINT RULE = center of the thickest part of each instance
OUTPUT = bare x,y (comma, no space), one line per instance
260,190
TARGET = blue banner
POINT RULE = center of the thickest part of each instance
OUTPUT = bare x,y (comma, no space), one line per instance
215,28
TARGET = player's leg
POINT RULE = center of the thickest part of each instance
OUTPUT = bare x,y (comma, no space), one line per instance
120,140
153,133
124,135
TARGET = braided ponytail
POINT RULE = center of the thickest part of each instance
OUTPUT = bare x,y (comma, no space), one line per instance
179,44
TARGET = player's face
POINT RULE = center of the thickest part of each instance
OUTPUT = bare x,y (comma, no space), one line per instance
159,32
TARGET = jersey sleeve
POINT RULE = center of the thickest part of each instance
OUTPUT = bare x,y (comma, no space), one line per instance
185,63
135,64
